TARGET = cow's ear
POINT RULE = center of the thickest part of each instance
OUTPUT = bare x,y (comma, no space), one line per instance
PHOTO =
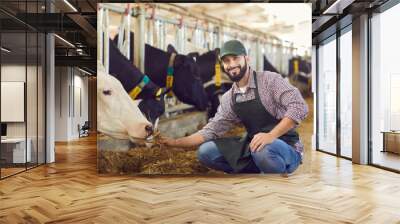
171,49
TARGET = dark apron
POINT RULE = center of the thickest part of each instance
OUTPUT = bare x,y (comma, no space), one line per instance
256,119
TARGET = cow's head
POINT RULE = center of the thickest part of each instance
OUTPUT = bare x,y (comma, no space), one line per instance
152,108
206,63
188,86
118,115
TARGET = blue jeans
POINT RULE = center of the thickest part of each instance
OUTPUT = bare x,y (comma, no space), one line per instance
277,157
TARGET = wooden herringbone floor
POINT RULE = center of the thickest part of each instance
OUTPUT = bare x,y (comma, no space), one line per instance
324,190
330,190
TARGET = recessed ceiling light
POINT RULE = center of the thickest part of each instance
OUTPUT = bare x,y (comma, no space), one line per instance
337,7
5,50
86,72
70,5
64,40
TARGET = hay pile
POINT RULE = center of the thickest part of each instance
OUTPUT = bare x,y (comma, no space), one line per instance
155,160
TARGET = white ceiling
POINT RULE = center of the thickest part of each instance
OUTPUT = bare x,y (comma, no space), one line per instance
287,21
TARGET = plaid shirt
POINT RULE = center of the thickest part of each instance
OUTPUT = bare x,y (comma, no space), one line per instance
278,96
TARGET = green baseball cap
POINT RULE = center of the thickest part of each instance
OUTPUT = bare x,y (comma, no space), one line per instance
233,47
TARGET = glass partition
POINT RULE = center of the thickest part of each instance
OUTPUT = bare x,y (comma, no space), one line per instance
385,89
327,96
22,77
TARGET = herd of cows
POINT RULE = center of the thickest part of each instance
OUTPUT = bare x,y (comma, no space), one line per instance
130,101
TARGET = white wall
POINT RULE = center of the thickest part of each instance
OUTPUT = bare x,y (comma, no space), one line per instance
33,127
71,94
80,109
61,103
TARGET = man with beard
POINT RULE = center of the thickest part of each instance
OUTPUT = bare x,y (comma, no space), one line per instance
269,108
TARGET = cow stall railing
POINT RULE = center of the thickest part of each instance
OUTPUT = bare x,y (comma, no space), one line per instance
124,33
260,40
102,37
124,38
171,105
124,47
197,27
152,28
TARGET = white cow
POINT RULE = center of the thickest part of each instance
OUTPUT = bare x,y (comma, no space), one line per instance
118,115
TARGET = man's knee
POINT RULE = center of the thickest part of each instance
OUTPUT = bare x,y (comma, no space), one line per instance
269,161
259,156
270,150
204,151
276,146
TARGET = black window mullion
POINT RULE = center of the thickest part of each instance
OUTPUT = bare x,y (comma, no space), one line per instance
26,86
37,90
45,93
338,93
316,98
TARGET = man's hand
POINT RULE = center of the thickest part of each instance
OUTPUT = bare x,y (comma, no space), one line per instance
167,141
188,141
260,140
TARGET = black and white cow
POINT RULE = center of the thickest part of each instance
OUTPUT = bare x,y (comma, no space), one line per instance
206,63
152,103
187,85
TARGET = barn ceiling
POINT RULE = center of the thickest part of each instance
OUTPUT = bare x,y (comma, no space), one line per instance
287,21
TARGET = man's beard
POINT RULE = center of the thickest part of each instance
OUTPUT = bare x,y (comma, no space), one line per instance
237,77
